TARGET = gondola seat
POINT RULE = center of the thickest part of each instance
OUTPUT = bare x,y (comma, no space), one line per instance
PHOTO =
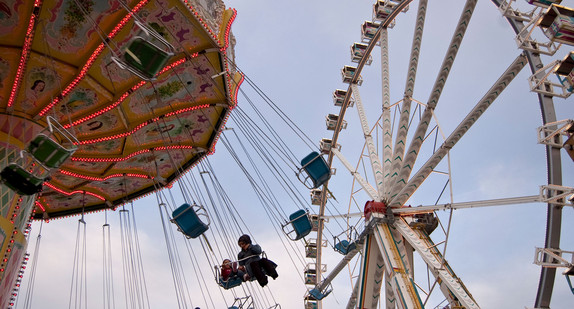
188,222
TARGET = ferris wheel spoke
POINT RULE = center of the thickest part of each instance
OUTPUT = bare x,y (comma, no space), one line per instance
402,131
462,128
422,127
386,115
373,155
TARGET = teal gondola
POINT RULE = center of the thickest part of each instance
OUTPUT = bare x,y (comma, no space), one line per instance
317,170
300,225
186,217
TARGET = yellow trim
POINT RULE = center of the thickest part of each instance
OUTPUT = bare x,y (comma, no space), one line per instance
226,19
11,140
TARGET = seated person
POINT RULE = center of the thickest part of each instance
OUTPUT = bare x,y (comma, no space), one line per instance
252,263
229,270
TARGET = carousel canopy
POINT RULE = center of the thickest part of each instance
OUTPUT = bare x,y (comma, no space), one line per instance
143,88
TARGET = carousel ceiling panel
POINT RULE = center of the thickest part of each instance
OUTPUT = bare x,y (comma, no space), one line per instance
14,22
9,58
42,83
85,167
69,33
57,59
190,128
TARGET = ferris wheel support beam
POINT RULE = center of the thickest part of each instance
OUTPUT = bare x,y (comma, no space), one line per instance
462,128
396,267
368,188
403,128
460,205
440,81
444,274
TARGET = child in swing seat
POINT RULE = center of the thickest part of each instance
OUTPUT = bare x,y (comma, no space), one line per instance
229,270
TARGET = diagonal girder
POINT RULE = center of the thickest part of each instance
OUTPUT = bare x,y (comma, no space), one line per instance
462,128
396,267
366,186
438,266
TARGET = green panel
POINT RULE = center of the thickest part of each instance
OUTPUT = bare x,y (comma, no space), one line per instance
145,57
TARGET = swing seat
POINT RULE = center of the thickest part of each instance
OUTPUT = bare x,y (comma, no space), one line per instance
301,224
21,181
315,293
316,168
230,282
188,221
345,247
48,151
145,59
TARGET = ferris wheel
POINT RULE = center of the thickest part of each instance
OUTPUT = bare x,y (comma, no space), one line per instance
399,229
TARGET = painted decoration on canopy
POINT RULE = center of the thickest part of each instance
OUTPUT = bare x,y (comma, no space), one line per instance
134,135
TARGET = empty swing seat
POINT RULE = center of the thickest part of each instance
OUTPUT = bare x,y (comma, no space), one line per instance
345,247
21,181
145,58
301,224
48,151
317,170
188,221
318,295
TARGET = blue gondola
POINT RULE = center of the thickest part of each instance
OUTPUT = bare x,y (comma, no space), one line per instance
318,295
317,170
300,223
344,246
188,222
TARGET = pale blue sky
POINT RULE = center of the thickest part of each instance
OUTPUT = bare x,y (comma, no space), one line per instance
294,52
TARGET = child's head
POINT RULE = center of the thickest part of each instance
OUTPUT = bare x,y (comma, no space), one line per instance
226,264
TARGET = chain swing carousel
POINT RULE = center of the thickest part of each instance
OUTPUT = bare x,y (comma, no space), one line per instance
102,103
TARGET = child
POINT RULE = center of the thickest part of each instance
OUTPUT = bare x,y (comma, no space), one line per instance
229,270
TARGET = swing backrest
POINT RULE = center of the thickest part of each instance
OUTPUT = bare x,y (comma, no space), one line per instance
301,224
188,222
48,151
344,246
316,168
20,180
146,58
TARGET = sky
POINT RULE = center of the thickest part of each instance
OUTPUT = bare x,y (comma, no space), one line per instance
294,52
